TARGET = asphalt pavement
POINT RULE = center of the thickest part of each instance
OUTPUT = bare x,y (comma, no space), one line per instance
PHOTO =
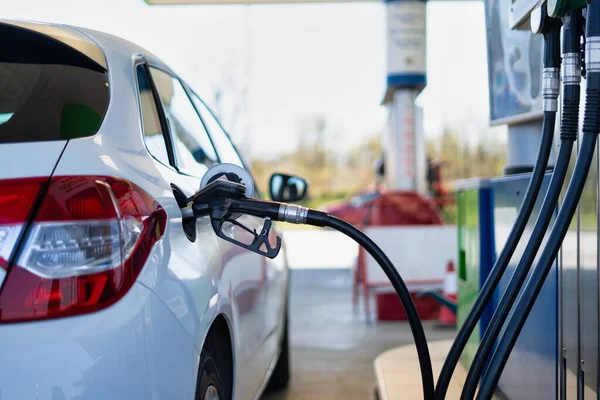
333,348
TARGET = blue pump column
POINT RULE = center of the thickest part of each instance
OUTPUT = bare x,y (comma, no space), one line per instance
404,144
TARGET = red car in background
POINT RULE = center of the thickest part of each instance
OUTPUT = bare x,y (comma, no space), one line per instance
387,208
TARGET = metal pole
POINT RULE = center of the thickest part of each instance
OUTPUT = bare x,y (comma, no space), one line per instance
406,77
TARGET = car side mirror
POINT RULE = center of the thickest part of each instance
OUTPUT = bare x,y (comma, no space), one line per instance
287,188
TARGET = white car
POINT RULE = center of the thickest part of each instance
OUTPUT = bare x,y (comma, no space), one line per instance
106,291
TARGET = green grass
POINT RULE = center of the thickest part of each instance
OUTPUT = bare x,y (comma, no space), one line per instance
317,201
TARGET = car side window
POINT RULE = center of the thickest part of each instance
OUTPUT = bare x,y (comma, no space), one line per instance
194,151
225,148
153,133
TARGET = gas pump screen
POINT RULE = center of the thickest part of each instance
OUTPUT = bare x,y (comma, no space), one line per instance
514,67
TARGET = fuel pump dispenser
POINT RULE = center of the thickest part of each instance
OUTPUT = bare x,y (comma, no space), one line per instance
569,124
591,128
224,196
550,28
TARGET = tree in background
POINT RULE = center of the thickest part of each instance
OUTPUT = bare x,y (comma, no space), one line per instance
485,158
333,173
337,174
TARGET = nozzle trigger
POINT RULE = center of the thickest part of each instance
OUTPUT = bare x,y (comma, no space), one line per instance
261,239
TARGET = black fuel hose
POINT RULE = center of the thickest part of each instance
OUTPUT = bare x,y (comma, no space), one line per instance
591,128
516,282
569,127
552,63
535,283
322,219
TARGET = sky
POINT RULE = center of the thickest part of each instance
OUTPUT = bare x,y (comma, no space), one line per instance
279,65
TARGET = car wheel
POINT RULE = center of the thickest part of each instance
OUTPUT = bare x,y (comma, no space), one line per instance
209,380
281,374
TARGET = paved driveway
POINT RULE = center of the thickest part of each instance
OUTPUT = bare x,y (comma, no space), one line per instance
332,348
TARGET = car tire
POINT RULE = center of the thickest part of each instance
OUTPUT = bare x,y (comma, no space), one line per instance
209,385
281,374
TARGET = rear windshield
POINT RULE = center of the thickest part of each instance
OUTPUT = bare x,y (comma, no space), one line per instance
48,90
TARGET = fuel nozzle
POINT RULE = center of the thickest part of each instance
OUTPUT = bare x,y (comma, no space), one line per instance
224,196
224,201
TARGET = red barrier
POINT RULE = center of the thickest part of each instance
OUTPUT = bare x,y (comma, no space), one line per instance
389,307
396,208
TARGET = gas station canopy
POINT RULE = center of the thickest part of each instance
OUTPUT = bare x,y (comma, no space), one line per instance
215,2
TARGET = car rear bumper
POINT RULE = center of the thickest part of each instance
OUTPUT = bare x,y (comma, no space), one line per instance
134,349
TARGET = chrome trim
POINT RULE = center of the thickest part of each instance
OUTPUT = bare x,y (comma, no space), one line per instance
550,88
592,54
292,213
571,68
550,105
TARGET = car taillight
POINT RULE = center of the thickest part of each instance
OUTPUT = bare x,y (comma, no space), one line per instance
16,201
84,250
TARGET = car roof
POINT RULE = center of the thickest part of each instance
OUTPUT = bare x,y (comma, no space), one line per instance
92,43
